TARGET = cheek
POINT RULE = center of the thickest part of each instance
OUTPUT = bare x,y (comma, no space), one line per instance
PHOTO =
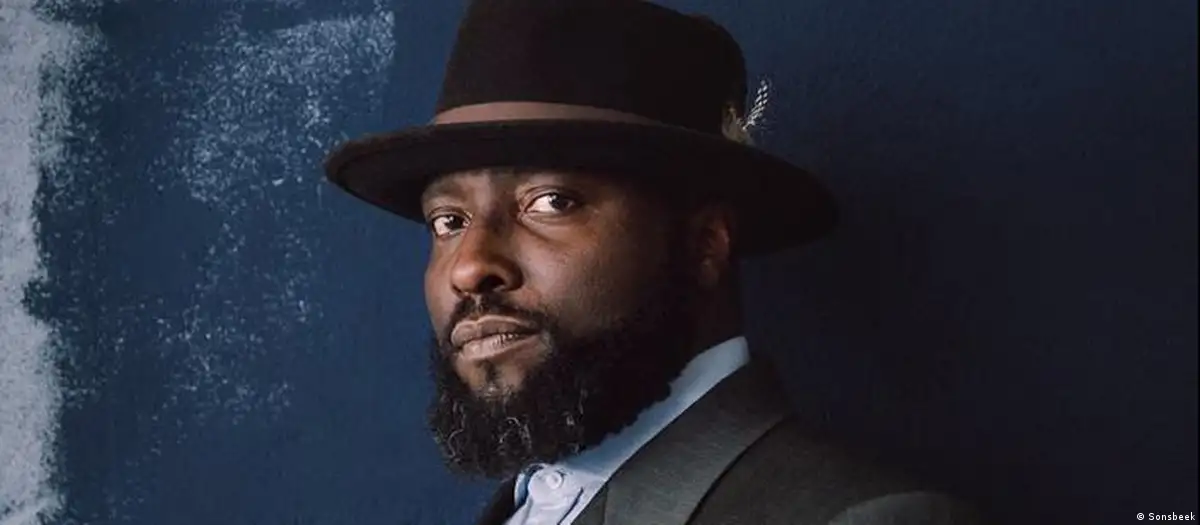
597,280
439,300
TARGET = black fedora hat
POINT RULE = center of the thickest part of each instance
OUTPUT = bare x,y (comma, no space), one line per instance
609,86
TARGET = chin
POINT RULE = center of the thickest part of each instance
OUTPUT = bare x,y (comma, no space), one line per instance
497,378
495,393
493,385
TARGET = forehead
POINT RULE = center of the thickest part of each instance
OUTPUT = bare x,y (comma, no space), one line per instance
449,183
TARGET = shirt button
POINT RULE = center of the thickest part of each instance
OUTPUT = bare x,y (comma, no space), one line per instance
554,479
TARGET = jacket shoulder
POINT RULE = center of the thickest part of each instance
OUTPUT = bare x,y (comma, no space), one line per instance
790,475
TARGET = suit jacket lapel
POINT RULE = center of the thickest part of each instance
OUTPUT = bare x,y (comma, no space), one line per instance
593,514
502,506
664,482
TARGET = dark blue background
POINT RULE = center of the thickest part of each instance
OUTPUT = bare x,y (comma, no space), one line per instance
1011,301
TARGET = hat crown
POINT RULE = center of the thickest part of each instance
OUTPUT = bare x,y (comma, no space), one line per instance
625,55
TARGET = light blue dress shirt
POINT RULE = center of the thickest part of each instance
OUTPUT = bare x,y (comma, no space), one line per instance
556,494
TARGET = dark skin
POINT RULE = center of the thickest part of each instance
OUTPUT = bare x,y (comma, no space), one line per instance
571,244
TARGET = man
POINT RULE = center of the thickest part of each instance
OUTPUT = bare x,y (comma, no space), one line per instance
588,188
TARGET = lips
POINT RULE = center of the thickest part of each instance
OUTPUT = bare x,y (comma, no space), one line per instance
503,329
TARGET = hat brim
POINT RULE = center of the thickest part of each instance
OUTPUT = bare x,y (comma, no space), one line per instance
778,205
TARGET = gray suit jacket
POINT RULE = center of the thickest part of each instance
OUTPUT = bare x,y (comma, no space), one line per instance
739,456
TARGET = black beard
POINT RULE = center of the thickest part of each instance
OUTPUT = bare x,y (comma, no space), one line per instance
586,388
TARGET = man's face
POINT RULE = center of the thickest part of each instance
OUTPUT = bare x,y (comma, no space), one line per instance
562,304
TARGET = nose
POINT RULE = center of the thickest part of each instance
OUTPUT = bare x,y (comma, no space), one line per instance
483,262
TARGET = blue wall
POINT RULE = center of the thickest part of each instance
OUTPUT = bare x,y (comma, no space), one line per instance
1011,301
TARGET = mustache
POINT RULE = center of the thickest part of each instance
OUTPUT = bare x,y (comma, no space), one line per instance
490,304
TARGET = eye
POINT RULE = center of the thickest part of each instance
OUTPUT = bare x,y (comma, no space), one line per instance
552,202
446,224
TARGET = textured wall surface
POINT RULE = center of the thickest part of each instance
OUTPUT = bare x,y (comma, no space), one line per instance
196,329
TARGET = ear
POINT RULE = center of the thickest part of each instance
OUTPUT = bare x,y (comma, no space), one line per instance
713,228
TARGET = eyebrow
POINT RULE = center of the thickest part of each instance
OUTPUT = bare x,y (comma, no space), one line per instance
438,188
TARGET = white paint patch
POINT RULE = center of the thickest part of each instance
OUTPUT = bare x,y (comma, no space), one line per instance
37,58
